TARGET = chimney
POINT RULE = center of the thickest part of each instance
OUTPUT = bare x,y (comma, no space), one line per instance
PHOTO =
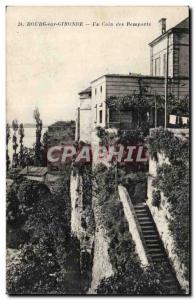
162,23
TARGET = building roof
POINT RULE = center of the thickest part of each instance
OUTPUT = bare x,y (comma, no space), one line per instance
131,75
183,26
86,91
34,171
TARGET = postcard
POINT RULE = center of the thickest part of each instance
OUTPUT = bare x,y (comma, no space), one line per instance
98,150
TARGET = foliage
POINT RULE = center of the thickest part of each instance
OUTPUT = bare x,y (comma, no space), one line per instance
145,102
164,141
48,260
123,137
21,153
7,142
36,115
156,198
131,137
173,180
135,281
15,144
106,137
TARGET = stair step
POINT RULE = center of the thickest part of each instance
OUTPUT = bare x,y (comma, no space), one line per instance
143,218
142,208
157,257
155,248
141,214
169,281
145,227
153,234
152,245
168,275
140,205
171,286
150,239
146,222
149,230
155,251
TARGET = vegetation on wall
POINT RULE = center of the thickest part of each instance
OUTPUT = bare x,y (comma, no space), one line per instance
173,180
145,101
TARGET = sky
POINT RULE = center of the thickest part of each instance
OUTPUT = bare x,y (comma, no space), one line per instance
47,66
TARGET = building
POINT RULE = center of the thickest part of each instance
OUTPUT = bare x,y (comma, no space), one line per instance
114,85
84,116
93,110
173,43
34,173
59,133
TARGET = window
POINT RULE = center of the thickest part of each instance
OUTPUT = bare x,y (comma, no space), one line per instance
95,91
100,116
101,89
157,67
164,63
95,113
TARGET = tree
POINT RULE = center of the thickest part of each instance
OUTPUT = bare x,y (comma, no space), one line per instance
21,153
36,115
15,145
7,142
45,148
47,261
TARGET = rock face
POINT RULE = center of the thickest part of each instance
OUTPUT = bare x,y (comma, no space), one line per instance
82,227
86,225
76,206
102,267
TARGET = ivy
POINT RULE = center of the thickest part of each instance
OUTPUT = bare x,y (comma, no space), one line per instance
164,141
146,102
173,180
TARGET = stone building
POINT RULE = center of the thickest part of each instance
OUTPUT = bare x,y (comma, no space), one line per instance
59,133
174,43
84,117
93,110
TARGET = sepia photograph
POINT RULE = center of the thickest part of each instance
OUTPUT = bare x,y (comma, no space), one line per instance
98,117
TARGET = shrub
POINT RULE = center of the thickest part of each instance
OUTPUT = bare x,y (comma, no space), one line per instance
156,198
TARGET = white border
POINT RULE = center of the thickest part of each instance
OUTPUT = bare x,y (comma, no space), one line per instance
3,4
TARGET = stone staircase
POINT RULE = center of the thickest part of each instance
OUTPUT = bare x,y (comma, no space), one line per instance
154,247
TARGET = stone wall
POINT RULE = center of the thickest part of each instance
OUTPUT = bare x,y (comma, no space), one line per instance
82,227
102,267
133,225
